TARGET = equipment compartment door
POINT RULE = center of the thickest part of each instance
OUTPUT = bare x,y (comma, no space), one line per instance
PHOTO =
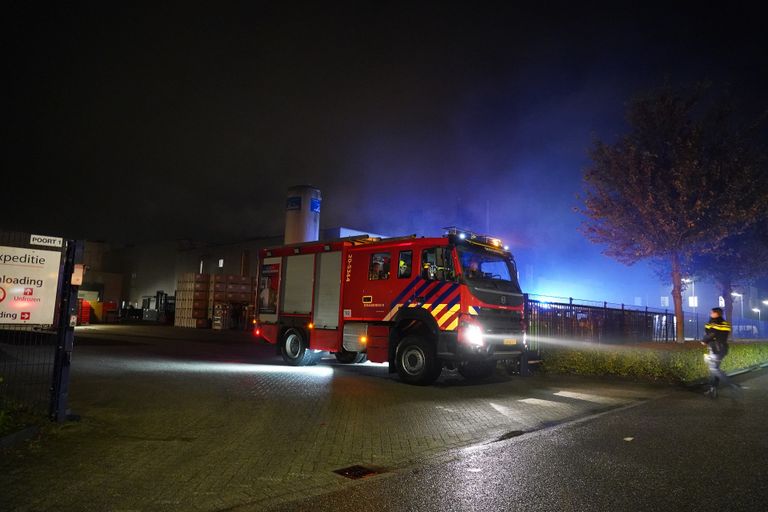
327,290
298,283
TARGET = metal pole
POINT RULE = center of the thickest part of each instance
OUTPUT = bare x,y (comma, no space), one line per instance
65,335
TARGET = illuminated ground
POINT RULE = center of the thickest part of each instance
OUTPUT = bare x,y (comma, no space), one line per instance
682,452
176,419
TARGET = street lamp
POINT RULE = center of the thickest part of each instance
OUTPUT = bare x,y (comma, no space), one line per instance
757,310
765,302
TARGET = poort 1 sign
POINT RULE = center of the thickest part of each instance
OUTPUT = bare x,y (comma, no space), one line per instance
28,282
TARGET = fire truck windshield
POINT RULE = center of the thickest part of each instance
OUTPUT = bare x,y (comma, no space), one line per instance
478,264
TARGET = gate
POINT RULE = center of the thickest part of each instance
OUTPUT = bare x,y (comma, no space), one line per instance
37,302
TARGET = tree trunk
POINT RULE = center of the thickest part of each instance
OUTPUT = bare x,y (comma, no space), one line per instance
677,298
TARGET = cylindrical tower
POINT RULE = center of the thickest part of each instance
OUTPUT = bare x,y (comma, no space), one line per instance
302,214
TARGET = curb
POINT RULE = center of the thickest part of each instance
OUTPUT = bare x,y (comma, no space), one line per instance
18,437
732,373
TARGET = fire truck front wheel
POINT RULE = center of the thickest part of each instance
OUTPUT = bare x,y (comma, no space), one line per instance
477,370
416,361
295,349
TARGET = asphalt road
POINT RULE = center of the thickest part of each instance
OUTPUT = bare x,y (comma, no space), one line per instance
680,452
180,419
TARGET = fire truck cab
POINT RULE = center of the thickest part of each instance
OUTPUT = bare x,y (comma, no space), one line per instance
419,304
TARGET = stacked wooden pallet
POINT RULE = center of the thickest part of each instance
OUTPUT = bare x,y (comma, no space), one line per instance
192,300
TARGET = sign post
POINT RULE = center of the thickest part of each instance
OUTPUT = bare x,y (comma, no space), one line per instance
65,338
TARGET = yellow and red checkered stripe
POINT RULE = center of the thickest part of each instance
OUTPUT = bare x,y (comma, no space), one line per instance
441,299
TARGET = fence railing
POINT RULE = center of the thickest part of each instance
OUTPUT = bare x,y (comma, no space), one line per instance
35,357
552,319
27,359
743,328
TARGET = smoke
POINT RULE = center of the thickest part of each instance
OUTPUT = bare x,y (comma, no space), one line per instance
172,126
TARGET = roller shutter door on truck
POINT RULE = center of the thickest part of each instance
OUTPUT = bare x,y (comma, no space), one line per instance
297,284
327,290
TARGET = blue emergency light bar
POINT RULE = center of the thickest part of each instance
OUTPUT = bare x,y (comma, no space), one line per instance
465,234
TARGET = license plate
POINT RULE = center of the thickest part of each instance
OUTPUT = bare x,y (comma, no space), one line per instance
510,341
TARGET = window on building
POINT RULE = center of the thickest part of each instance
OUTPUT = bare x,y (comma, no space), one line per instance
405,265
221,262
379,267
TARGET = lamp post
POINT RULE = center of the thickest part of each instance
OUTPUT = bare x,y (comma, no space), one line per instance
757,310
693,300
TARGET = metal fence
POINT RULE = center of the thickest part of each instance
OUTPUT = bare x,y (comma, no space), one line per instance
34,358
565,319
743,328
27,359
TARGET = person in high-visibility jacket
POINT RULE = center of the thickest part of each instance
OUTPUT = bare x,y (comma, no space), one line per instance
716,340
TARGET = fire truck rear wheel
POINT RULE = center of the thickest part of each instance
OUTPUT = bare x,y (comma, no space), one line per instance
346,357
295,349
416,361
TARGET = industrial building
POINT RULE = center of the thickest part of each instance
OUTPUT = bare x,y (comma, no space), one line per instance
156,281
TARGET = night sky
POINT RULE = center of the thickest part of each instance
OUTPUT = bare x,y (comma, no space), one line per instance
179,122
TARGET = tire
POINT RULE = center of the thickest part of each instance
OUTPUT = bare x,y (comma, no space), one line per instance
477,370
295,349
346,357
416,361
351,357
513,367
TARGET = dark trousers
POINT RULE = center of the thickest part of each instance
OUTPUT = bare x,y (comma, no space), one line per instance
716,375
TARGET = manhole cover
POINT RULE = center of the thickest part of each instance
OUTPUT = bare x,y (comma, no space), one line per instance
356,472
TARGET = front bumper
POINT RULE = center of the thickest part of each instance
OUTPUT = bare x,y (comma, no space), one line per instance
497,347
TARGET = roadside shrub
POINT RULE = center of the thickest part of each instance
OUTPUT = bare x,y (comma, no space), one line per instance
5,420
672,362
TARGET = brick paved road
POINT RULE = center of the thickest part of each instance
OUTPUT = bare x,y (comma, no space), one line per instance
176,419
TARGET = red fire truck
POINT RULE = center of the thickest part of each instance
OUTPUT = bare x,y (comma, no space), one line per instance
418,304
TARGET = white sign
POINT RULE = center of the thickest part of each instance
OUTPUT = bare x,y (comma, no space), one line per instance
48,241
721,301
77,275
28,282
693,301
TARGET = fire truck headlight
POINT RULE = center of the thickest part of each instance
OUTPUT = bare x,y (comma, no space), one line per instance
474,335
